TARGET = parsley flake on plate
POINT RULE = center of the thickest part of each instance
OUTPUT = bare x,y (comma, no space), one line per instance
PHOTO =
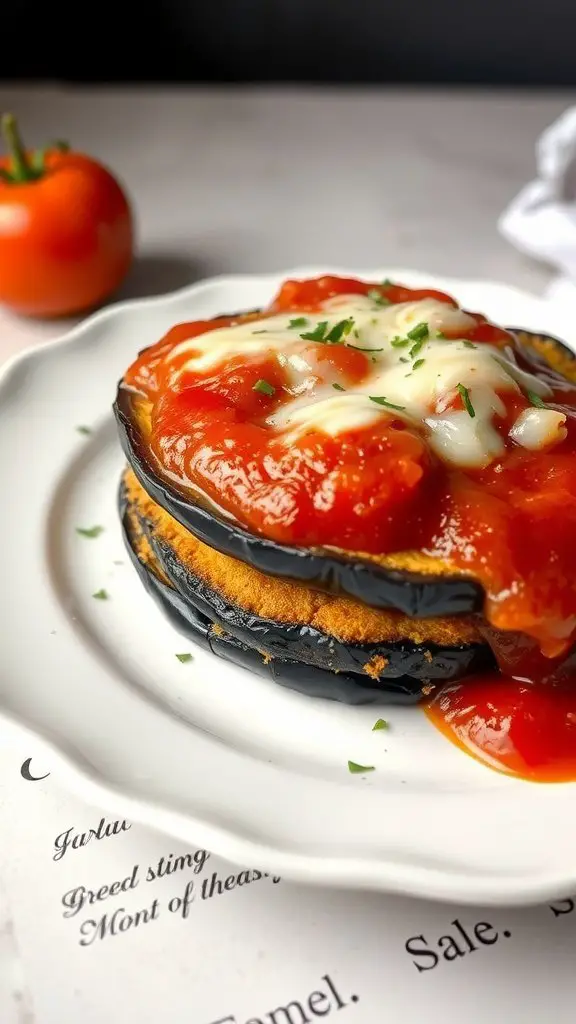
91,531
184,657
380,724
101,595
357,769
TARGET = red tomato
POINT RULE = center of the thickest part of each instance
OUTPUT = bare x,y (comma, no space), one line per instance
66,230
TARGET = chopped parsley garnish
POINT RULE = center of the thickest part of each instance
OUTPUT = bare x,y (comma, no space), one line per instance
356,769
359,348
263,387
465,396
440,334
319,332
339,331
300,321
380,724
418,363
535,399
403,359
84,430
386,283
101,595
262,331
338,387
378,298
184,657
384,401
330,337
92,531
468,344
419,333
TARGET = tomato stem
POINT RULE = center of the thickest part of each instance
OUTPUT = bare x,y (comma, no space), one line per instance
20,169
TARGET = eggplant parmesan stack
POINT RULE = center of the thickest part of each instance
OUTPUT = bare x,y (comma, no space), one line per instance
362,490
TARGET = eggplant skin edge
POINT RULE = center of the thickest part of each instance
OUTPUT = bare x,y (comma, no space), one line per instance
299,657
414,594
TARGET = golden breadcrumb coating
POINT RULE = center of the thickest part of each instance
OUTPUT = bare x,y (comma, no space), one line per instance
290,601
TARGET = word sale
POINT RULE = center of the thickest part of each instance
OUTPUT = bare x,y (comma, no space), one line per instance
325,1000
460,939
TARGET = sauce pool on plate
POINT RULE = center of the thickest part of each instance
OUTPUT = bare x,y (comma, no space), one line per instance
520,728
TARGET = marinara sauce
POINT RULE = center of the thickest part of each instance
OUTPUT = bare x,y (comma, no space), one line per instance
381,489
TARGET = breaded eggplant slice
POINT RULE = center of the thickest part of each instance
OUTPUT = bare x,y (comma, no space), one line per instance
286,621
344,687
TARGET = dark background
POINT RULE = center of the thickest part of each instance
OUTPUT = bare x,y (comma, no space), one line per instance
442,42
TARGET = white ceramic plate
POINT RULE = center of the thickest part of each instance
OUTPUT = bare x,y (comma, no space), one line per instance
204,751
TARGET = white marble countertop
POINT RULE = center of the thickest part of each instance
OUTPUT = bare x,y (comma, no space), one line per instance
245,179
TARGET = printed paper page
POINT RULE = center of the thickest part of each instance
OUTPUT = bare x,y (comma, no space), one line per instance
102,920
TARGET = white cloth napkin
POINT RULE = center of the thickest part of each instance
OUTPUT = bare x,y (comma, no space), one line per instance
541,219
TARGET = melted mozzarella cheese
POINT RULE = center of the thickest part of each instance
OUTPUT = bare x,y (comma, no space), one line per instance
425,394
469,440
539,428
374,326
